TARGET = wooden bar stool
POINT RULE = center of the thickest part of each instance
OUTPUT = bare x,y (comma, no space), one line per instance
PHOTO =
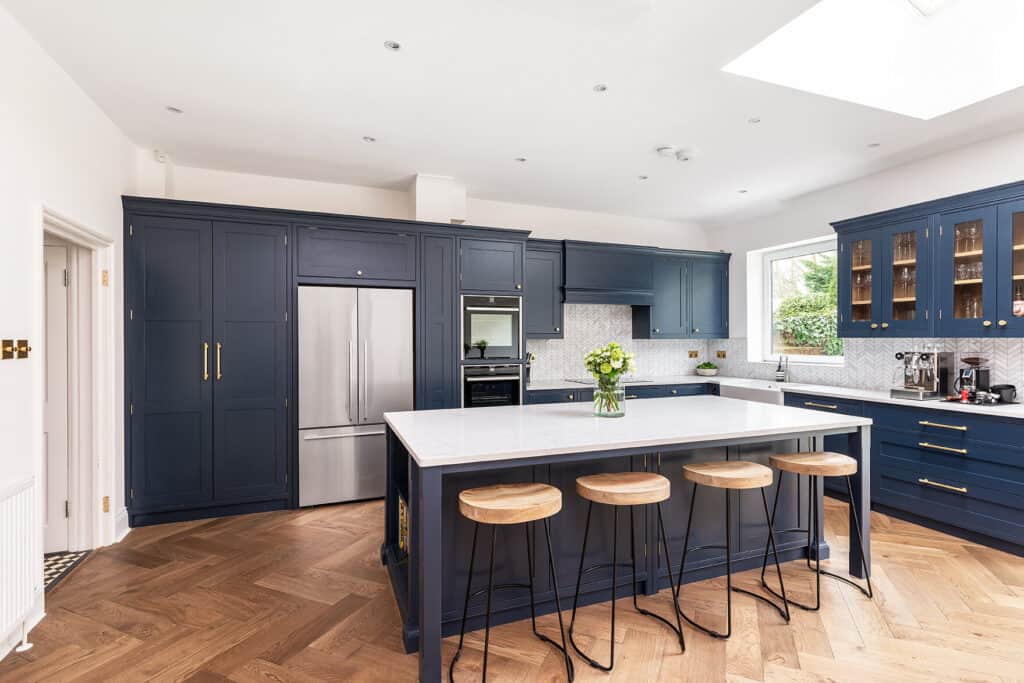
730,475
816,466
504,504
622,489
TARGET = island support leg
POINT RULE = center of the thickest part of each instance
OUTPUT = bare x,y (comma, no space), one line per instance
860,503
429,533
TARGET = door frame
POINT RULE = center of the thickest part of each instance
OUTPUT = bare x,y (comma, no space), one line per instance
89,397
67,291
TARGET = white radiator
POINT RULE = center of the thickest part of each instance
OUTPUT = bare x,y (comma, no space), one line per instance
20,556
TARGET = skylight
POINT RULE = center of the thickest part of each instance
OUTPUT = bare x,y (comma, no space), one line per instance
919,58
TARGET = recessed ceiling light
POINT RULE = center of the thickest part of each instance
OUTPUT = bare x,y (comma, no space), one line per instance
908,69
369,138
600,87
667,151
392,45
641,177
754,119
742,191
872,145
520,159
174,110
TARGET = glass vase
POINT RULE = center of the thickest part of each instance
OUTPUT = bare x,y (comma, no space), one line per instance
610,400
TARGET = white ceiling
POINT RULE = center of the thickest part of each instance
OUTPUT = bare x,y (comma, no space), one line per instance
290,89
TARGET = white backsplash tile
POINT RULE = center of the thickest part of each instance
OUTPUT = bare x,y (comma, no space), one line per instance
591,325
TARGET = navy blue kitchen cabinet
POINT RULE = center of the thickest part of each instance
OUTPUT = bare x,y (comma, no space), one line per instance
437,386
357,255
634,391
967,264
539,396
542,299
491,266
709,296
208,354
601,273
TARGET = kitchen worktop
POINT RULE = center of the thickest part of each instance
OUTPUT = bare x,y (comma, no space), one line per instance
474,435
1011,410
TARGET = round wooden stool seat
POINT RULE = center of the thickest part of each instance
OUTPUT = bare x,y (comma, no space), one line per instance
624,488
823,464
729,474
510,503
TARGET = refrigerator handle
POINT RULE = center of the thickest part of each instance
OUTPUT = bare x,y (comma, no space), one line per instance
351,377
364,390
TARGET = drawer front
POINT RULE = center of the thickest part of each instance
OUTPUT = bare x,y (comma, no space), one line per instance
686,389
646,391
966,502
559,395
825,404
357,254
952,427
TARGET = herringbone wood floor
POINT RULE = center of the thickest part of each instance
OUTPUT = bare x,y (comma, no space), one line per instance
301,596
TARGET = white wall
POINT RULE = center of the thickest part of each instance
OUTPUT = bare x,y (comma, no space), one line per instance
993,162
62,152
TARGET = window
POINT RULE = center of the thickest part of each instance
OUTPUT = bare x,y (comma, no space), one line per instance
799,303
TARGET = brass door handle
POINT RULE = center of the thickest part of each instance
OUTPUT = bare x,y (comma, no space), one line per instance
987,323
885,326
927,423
925,444
1002,323
206,361
874,326
219,375
958,489
828,406
630,396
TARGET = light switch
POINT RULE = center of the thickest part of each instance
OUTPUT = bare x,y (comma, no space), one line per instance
6,349
22,348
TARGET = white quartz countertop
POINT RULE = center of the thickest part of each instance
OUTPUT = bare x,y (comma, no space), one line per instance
1005,410
474,435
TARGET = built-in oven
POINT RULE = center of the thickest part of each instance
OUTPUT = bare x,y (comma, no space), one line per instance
492,385
492,327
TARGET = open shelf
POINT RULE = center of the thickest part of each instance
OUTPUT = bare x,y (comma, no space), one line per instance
862,303
969,254
905,262
975,281
1018,247
904,299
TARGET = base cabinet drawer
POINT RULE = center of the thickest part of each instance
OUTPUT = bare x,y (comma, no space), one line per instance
948,425
536,396
835,444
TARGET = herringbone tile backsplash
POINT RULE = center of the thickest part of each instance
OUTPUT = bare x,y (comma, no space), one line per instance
870,363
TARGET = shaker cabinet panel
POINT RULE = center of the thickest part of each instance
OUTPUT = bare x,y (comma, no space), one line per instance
543,296
709,297
436,351
1010,270
967,273
491,265
357,254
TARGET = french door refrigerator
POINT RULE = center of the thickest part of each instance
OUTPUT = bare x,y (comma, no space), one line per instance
355,363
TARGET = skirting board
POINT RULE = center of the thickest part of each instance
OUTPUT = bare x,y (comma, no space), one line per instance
35,615
121,527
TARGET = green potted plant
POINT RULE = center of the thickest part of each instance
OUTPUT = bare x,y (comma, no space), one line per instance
482,345
707,369
607,365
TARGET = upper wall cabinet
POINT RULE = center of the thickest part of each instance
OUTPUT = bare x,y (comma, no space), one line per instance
491,266
598,273
542,300
691,299
357,254
709,296
953,267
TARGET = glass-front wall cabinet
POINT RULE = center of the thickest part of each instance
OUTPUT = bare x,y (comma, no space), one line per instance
906,280
860,286
1010,289
967,267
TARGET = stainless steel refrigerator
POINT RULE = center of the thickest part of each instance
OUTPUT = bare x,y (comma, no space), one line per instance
355,364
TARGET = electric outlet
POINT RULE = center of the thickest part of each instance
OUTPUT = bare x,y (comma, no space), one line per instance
694,354
7,349
720,354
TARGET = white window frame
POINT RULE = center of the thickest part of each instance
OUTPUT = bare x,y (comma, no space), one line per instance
768,256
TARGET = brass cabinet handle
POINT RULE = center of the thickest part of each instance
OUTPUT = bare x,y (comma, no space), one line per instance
958,489
987,323
1002,323
219,376
874,326
829,406
937,447
885,326
674,392
631,396
518,286
206,361
927,423
359,273
558,329
569,397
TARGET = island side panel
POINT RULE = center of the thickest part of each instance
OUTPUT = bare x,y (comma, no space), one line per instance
860,448
427,512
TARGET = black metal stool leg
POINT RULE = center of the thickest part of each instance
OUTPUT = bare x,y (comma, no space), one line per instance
579,579
728,568
813,541
465,604
784,610
864,562
569,669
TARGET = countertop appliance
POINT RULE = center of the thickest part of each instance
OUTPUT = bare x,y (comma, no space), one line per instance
492,327
355,363
923,375
973,378
492,385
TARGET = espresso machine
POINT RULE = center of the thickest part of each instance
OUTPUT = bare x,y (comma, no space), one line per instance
925,375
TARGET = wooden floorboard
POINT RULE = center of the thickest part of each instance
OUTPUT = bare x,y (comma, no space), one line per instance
301,596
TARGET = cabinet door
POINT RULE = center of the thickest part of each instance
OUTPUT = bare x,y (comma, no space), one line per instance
543,297
491,265
1010,288
709,298
169,336
860,300
906,279
251,361
670,313
436,383
357,254
967,273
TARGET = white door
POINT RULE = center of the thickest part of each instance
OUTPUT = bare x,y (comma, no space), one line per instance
55,400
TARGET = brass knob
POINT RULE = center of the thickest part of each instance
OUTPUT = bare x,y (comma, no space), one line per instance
874,326
696,329
674,392
570,397
987,323
885,326
1002,323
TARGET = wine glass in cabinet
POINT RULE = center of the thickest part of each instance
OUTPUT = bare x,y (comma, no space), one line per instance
906,285
1010,287
860,284
968,301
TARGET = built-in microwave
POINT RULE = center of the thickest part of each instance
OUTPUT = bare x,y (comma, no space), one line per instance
492,385
492,327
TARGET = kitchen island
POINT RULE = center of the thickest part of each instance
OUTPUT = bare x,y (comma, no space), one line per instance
432,455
